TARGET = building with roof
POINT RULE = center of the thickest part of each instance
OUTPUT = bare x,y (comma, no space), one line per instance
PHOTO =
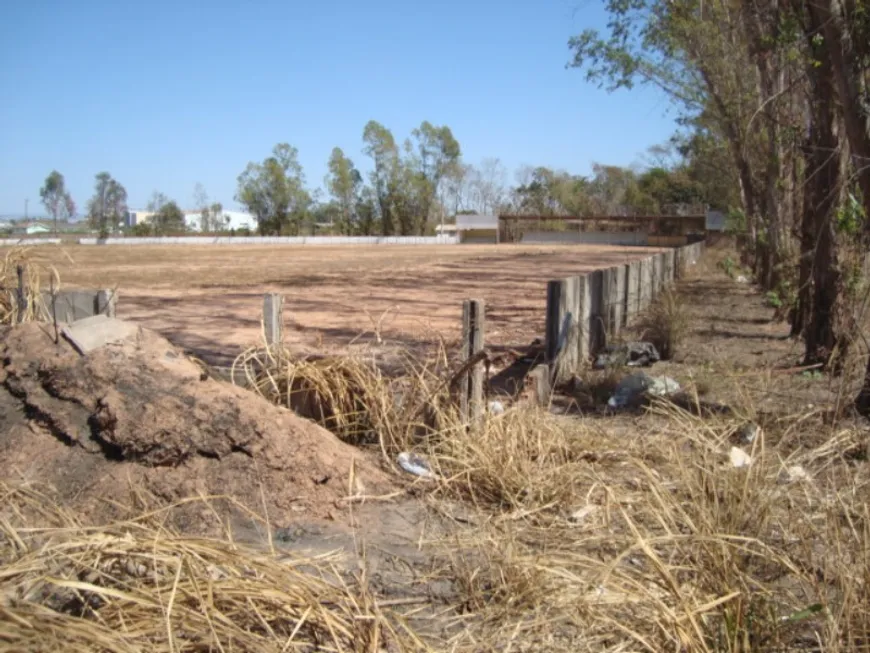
481,229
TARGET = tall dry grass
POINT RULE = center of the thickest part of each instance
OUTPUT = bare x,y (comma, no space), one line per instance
136,586
30,306
599,540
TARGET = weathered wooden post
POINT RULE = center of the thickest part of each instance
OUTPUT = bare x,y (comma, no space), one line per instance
21,295
273,319
471,387
564,330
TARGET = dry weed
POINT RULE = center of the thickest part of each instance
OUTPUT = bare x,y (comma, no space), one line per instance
21,289
665,322
135,586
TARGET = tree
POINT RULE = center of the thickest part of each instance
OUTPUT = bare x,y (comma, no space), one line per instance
108,206
488,186
169,218
435,158
211,215
157,201
274,192
56,199
385,177
344,182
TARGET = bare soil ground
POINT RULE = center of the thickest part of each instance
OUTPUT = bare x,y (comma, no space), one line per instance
208,299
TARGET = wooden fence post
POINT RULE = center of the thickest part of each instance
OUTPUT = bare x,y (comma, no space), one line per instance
471,388
21,297
564,331
273,319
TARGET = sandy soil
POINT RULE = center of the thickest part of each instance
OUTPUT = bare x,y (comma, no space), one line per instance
208,299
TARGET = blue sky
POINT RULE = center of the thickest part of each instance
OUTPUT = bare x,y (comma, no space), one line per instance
164,94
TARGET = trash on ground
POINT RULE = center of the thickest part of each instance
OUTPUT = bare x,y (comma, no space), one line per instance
742,279
749,432
793,474
579,516
496,408
633,388
739,458
631,354
415,464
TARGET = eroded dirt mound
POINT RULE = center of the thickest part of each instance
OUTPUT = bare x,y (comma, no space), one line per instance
141,415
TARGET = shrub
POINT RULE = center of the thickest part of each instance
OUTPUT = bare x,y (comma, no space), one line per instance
665,323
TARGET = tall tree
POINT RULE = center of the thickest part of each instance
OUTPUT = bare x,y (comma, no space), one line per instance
56,199
344,182
108,206
274,192
211,214
168,219
436,157
386,175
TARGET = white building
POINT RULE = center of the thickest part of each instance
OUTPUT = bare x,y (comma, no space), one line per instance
232,219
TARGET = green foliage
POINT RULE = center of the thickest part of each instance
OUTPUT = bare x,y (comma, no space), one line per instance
274,192
169,219
142,230
108,206
850,217
773,300
735,222
56,199
344,183
728,266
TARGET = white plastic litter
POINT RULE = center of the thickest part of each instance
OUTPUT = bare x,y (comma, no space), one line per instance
415,464
742,279
632,387
496,408
793,474
739,458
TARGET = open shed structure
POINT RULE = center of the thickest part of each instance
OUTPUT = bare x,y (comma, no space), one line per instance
639,230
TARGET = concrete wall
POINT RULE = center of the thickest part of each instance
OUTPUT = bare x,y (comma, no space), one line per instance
73,305
12,242
580,308
627,238
276,240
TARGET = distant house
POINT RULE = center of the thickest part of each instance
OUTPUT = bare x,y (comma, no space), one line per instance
477,228
36,229
234,220
715,221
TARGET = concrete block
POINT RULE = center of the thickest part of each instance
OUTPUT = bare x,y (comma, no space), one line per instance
593,297
658,273
645,289
564,327
632,290
539,381
73,305
98,331
273,318
614,298
670,262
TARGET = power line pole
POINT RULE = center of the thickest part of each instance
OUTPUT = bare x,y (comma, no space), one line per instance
26,202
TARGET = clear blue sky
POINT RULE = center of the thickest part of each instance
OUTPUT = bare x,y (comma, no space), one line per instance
163,94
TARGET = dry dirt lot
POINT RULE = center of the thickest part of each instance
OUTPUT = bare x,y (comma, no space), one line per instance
208,299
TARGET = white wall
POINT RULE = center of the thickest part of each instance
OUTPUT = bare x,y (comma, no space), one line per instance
10,242
277,240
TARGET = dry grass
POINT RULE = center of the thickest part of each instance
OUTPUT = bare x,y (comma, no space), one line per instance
593,541
135,586
351,397
665,322
19,271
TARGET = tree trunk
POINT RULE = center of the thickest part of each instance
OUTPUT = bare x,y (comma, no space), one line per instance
827,329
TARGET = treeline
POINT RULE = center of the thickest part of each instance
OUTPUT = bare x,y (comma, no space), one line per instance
417,184
782,91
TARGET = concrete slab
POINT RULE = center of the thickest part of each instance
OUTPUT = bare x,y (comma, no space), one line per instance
645,289
97,331
73,305
614,298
